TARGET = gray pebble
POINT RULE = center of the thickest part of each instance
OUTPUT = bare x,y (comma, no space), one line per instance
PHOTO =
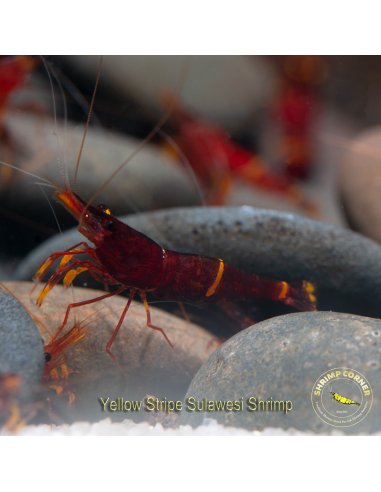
21,347
280,359
360,182
248,83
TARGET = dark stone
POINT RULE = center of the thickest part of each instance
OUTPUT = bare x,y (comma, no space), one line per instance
345,266
360,183
21,347
281,358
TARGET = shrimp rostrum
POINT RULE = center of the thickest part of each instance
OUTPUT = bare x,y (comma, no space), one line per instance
127,260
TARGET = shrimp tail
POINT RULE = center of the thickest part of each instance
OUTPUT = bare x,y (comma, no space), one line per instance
301,296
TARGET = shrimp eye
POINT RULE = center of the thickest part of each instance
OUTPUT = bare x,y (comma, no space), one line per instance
104,209
48,357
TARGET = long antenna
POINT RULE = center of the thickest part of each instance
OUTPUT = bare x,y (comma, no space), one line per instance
65,114
88,119
48,70
27,173
76,94
151,134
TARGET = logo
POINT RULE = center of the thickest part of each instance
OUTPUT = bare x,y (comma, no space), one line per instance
341,397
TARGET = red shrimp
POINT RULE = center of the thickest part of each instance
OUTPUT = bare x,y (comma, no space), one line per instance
128,260
217,160
13,71
56,371
56,347
296,110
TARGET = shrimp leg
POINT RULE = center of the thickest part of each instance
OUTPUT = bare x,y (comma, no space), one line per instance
149,322
69,274
84,303
117,328
80,248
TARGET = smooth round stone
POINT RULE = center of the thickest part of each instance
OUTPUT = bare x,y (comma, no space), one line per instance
145,363
281,358
21,348
50,152
345,266
248,84
360,182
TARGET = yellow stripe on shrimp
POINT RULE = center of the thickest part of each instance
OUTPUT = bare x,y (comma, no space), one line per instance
212,289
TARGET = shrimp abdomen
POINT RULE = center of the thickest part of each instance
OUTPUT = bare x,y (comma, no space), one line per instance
196,278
